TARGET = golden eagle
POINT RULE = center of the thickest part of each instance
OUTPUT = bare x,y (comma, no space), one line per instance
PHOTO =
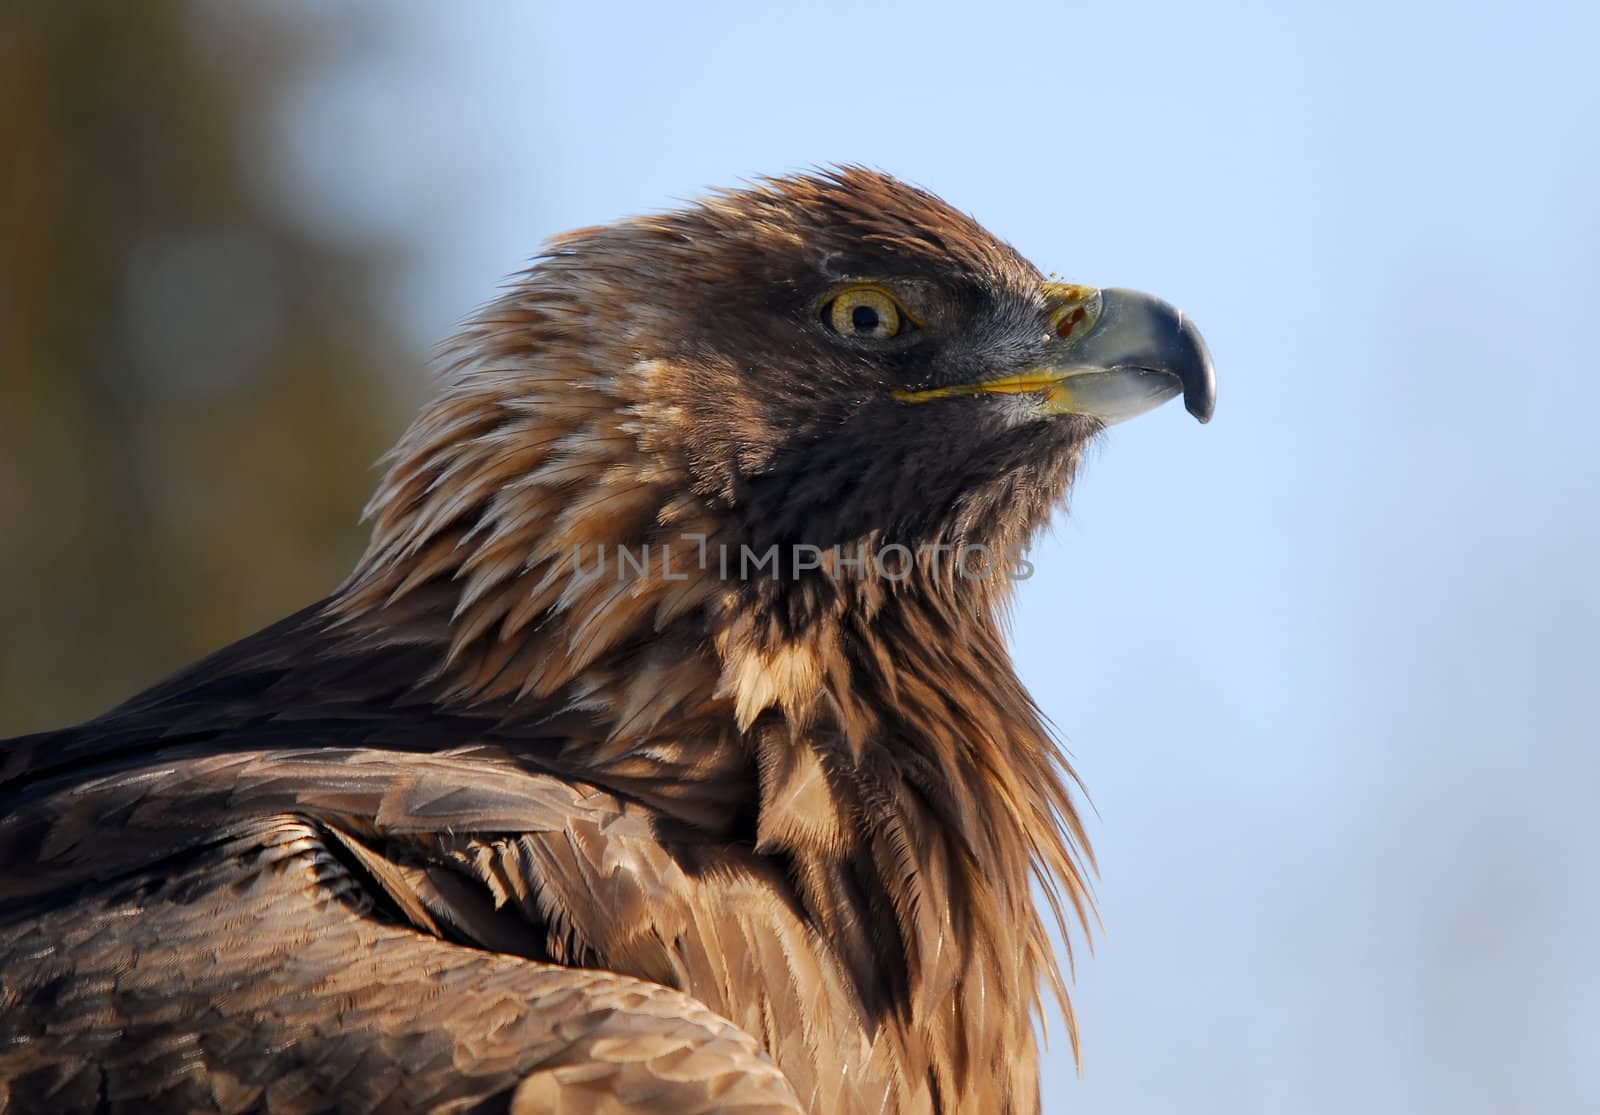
662,753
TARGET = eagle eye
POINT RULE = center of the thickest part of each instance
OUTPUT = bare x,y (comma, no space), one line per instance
866,313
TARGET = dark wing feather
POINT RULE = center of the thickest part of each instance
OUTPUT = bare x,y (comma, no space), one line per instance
249,972
371,906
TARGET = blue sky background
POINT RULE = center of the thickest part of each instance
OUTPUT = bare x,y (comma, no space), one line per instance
1328,665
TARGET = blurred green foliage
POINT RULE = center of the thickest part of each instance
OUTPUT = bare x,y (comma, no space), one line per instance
193,385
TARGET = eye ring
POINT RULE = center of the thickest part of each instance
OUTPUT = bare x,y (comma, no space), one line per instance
866,313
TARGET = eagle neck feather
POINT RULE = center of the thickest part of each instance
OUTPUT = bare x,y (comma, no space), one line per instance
891,746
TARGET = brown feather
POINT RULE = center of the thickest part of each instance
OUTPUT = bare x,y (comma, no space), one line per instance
477,825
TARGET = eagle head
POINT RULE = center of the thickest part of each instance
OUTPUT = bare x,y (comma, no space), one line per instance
846,359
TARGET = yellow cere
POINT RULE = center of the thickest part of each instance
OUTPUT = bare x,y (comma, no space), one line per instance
1075,308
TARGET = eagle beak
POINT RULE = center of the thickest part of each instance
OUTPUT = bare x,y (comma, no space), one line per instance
1135,354
1110,354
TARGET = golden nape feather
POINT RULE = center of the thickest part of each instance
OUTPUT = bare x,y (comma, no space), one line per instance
662,753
